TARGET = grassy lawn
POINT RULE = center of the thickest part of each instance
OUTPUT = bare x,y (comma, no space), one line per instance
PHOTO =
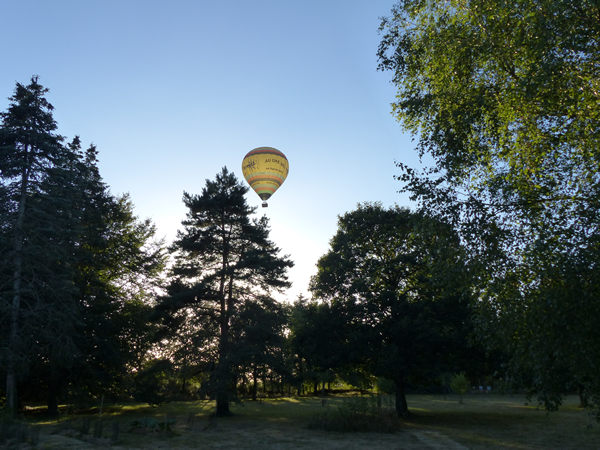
482,421
495,421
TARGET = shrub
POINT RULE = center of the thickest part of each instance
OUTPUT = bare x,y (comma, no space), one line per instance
356,414
459,385
155,383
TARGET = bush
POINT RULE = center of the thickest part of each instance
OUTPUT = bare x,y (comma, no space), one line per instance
156,383
152,424
356,414
459,385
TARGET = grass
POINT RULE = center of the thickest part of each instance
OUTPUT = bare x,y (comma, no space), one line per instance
496,421
481,421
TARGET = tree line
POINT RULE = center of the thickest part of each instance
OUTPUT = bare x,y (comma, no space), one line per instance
77,266
94,308
493,275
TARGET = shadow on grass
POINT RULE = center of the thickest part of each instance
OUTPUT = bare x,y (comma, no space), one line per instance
490,422
498,422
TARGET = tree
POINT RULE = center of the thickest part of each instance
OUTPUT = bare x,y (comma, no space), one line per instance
82,266
504,98
402,282
29,147
459,385
321,343
119,268
223,259
258,334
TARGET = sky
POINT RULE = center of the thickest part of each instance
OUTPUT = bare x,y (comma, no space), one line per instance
172,91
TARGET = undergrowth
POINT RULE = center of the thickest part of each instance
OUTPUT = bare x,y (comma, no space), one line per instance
356,414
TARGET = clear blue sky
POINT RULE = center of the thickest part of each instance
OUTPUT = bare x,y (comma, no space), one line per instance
171,91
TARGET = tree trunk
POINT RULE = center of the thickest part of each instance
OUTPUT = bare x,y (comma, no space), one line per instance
52,397
222,403
254,384
583,401
401,406
11,379
223,370
223,375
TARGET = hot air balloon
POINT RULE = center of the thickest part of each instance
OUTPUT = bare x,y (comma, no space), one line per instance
265,169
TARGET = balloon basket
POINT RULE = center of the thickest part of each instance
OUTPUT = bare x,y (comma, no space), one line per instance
264,205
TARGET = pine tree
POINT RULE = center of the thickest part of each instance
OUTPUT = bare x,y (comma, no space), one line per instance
80,267
223,259
116,269
29,148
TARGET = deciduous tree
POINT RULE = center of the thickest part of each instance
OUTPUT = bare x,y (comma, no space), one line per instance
505,101
403,283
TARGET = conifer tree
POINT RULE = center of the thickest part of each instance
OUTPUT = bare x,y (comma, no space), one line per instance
80,267
29,148
223,259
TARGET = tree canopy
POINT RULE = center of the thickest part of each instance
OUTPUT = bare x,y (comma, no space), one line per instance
504,99
225,267
400,278
80,268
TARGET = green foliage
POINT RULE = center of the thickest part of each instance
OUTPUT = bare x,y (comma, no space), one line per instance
500,91
258,332
400,285
81,267
30,150
154,384
317,340
504,98
459,385
385,385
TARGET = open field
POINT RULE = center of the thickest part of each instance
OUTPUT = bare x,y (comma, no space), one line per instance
483,421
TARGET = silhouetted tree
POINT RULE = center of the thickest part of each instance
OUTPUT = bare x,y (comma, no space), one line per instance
321,341
258,333
80,269
223,260
403,284
29,148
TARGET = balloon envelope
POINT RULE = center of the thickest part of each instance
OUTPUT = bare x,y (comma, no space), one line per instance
265,169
